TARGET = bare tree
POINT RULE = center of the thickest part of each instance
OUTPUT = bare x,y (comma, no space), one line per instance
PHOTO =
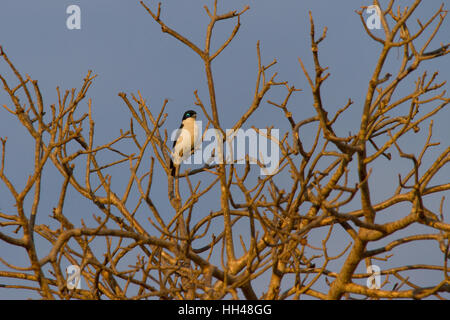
280,216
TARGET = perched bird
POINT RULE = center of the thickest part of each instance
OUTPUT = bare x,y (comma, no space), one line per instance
186,138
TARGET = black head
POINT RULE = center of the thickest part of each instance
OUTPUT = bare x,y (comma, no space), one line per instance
189,114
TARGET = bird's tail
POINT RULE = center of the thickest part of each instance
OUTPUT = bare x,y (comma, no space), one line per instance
172,168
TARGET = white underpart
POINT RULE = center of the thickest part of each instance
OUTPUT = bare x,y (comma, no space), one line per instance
186,140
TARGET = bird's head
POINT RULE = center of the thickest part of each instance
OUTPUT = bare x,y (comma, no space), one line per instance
189,114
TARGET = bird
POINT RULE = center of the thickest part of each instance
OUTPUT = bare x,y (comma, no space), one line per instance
185,141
